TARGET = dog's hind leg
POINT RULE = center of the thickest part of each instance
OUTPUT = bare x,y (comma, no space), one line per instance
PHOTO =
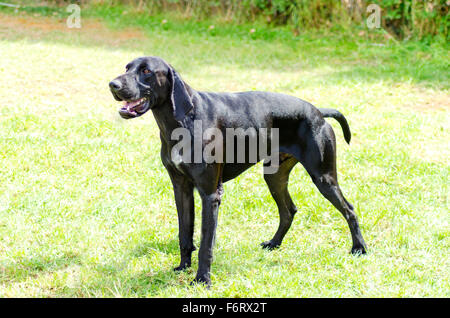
320,162
328,186
278,186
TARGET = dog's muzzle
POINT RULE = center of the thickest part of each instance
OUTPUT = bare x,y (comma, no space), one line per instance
131,107
136,108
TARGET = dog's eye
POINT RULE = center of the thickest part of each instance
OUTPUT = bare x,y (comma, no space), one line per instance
146,71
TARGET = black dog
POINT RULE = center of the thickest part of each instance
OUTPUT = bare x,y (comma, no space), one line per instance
304,136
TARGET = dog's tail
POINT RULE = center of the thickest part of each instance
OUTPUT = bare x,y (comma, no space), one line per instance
330,112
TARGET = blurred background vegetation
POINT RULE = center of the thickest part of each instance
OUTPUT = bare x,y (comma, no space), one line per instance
402,19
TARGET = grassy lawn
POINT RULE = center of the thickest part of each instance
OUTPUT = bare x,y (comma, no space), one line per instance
86,206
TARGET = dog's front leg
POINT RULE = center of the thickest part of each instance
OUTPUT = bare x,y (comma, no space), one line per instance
184,200
210,210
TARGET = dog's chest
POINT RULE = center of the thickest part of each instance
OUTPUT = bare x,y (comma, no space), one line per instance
177,161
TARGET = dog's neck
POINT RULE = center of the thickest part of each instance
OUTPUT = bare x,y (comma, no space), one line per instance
164,116
165,120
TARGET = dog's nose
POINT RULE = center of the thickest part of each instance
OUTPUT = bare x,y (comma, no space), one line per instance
115,85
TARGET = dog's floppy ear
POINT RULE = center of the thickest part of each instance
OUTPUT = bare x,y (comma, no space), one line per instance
181,101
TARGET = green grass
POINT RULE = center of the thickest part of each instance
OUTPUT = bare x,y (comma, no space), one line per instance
86,207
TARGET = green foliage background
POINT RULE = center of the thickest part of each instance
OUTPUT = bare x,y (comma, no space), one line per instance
401,18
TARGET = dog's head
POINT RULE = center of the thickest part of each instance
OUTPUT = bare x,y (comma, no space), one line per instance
148,83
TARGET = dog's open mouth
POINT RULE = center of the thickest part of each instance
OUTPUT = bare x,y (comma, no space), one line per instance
134,108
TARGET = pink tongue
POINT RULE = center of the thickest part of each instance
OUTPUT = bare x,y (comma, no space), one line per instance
130,104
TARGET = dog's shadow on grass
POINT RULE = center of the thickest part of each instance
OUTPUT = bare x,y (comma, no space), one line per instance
147,282
152,283
32,267
145,247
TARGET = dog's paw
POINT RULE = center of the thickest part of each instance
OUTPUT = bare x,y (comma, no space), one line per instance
358,250
203,280
182,267
269,245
